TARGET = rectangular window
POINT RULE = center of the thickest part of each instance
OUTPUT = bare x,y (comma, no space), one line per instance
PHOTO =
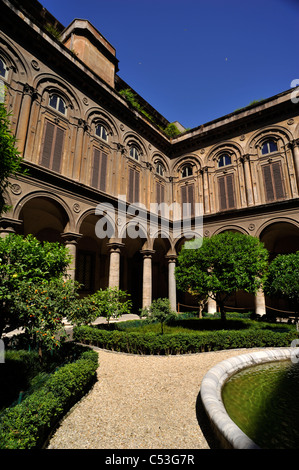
134,184
85,270
52,146
272,174
187,200
99,170
226,192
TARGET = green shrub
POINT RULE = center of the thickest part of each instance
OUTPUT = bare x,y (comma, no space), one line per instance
181,343
28,424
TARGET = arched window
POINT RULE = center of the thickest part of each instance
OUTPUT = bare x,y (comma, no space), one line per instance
187,171
268,147
160,170
224,160
56,102
3,68
102,132
134,152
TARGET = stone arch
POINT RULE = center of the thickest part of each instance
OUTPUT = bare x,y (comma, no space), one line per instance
46,82
231,228
280,236
232,148
15,59
277,132
44,215
102,117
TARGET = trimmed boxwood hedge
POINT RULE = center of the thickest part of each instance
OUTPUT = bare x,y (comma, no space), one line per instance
27,425
181,343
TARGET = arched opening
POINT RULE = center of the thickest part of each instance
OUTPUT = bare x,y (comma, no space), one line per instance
44,218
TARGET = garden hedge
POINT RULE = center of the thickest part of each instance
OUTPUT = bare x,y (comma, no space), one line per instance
27,425
181,343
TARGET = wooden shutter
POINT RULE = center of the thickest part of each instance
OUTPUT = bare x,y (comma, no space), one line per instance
52,146
131,185
226,192
268,183
277,180
103,172
58,147
272,174
96,168
230,191
187,197
47,144
99,170
137,185
160,195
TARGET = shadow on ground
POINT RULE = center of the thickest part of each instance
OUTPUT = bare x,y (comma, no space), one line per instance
205,425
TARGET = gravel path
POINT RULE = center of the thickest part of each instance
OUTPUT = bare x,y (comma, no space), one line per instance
142,402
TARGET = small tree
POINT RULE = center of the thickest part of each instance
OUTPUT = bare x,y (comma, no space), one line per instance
159,311
224,264
283,278
24,260
10,159
41,308
111,303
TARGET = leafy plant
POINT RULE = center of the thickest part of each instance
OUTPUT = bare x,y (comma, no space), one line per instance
111,303
283,278
224,264
159,311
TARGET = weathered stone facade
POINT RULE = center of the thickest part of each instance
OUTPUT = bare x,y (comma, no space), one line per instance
84,144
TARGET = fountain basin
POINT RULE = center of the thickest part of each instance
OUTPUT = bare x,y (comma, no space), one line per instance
228,433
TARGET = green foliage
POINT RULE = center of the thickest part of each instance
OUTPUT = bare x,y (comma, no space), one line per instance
171,130
283,278
159,311
209,339
41,308
10,159
224,264
25,265
27,425
53,31
111,303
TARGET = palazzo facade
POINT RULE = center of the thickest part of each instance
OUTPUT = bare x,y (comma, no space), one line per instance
84,144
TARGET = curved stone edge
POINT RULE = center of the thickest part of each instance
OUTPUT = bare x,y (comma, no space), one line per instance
229,434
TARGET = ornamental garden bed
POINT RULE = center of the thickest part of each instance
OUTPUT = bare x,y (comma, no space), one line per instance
181,336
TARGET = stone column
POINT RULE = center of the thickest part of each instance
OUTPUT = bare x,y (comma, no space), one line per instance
114,267
147,278
295,148
70,241
248,182
172,281
260,303
212,306
23,121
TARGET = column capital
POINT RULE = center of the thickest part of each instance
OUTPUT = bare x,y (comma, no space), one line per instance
115,246
245,158
147,253
294,143
171,258
71,237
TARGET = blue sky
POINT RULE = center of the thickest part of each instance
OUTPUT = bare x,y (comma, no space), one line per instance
196,60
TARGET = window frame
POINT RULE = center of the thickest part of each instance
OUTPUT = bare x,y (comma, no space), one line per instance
224,163
136,152
100,135
268,142
188,166
4,77
59,100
